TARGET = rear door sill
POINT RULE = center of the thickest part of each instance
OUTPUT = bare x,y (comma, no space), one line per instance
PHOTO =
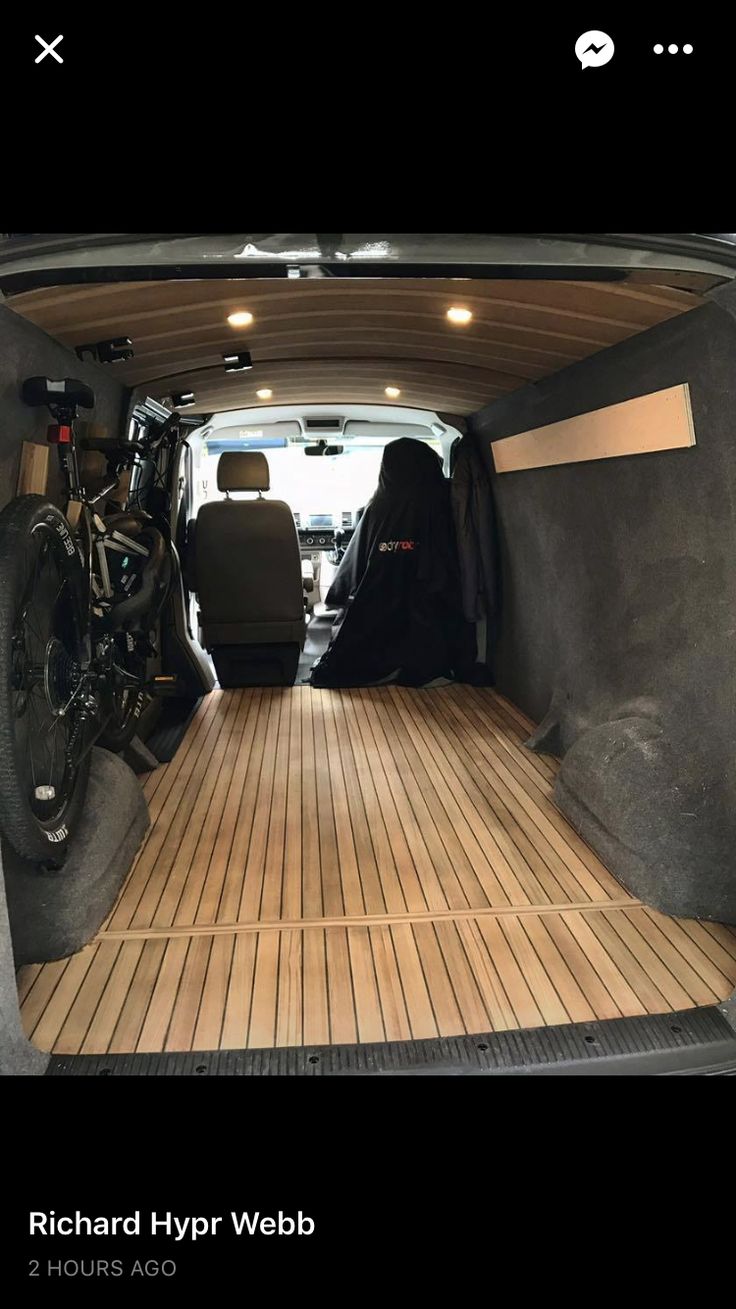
695,1041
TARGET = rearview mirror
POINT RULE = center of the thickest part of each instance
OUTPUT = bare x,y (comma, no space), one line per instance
322,448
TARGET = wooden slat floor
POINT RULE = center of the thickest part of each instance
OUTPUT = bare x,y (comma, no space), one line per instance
364,865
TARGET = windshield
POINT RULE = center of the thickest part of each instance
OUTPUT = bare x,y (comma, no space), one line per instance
321,490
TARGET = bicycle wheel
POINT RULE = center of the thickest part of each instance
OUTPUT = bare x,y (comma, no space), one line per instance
127,701
140,586
44,766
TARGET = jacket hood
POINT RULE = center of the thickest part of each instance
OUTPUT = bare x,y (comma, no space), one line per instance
407,464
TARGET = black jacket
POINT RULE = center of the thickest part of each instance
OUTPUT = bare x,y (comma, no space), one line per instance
399,582
473,512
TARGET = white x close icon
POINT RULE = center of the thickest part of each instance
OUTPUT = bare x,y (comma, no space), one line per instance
48,49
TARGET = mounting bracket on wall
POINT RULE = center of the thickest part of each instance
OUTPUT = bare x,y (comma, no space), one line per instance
115,351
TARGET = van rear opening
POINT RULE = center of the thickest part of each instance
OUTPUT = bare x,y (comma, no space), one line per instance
526,862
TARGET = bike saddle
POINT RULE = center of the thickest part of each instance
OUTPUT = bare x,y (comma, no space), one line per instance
67,392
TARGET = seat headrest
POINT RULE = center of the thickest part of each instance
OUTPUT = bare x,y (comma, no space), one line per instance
243,470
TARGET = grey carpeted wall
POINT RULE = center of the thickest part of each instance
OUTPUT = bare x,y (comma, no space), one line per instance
618,630
25,351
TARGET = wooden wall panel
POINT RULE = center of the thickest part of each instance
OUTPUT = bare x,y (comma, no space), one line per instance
34,469
660,421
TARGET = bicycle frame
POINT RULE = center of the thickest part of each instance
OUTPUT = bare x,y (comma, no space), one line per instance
97,540
86,581
94,542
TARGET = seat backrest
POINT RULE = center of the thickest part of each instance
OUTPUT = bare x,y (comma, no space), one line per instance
247,562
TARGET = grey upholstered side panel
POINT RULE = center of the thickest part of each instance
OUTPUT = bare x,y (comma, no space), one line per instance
619,614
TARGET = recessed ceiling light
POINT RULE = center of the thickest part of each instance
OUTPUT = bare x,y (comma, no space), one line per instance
392,392
242,318
264,393
459,315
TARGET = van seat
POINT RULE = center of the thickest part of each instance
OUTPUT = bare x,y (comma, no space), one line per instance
247,574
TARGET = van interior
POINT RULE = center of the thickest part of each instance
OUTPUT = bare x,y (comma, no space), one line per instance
526,867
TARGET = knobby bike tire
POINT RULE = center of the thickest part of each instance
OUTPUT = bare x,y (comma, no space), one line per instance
41,842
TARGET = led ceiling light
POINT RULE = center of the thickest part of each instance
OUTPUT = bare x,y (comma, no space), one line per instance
183,399
264,393
392,392
115,351
237,363
459,315
241,318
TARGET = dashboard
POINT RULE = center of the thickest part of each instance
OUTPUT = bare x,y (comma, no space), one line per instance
323,538
325,531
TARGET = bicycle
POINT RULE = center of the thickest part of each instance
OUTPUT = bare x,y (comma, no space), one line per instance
80,593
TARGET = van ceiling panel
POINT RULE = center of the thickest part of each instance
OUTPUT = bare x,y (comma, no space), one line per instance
342,340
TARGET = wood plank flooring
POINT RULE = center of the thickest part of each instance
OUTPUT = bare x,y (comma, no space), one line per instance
363,865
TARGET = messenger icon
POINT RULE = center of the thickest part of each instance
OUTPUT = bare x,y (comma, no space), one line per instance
594,49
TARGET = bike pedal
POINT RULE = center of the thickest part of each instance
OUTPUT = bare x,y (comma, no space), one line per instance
165,684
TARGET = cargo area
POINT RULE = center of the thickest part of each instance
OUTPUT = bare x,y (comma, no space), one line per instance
534,836
332,867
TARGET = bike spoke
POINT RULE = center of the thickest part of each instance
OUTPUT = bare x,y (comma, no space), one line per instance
53,753
33,732
58,593
35,633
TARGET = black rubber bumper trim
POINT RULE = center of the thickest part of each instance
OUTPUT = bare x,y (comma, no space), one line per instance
694,1041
